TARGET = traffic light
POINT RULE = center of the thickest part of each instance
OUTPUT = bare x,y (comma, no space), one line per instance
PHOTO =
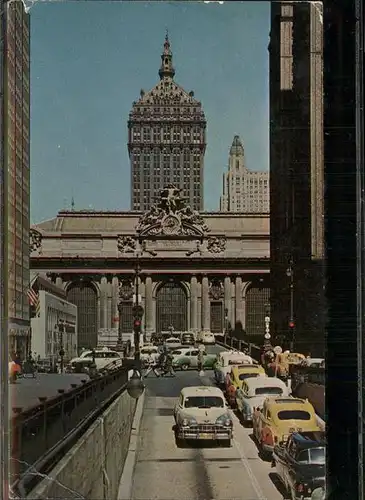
137,325
291,324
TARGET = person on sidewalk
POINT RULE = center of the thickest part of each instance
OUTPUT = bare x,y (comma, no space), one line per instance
152,365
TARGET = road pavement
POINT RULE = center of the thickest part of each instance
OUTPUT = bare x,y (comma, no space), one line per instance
201,472
26,391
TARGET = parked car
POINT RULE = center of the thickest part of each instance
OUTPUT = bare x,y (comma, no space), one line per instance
188,358
206,338
225,361
313,362
237,375
279,418
44,366
253,392
102,357
172,342
201,413
187,339
301,464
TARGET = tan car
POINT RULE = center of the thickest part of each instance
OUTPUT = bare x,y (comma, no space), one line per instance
201,413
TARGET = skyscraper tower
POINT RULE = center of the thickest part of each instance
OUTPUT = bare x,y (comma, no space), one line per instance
15,125
244,190
166,140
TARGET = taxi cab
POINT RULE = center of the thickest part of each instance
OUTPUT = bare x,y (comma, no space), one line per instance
225,361
279,417
237,375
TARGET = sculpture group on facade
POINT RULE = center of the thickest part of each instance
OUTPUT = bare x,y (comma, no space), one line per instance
35,241
171,217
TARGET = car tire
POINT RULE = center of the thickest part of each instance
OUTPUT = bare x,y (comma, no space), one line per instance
184,367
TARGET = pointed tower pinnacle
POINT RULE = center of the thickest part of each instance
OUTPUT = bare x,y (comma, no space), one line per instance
166,69
237,147
72,204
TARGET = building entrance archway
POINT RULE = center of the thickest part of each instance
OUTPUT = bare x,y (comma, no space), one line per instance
171,307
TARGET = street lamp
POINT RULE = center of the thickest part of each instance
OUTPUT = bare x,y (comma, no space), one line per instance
61,352
225,324
291,325
135,386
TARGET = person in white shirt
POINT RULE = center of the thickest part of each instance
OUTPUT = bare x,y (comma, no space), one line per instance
152,364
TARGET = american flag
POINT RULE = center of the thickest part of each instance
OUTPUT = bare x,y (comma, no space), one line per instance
34,300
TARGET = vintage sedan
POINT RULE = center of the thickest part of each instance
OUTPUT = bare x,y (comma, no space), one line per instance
253,392
225,361
237,375
301,464
201,413
183,359
172,342
279,417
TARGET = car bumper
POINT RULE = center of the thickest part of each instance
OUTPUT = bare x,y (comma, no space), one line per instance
212,434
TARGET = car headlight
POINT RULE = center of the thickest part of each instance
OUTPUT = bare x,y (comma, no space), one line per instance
224,420
188,421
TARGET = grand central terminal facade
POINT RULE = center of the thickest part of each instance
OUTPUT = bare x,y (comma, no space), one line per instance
195,271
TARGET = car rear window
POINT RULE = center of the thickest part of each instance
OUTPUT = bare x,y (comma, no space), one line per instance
243,376
204,402
315,456
293,415
275,391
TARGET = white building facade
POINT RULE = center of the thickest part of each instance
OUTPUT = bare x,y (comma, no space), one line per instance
55,327
244,190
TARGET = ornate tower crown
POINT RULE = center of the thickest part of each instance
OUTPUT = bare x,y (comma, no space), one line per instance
166,70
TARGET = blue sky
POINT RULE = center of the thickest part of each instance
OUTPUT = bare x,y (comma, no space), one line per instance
89,61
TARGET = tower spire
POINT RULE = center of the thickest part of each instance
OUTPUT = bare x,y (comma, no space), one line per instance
166,68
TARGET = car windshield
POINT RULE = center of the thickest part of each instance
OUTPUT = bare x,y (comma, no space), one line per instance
260,391
293,415
316,456
235,362
204,402
243,376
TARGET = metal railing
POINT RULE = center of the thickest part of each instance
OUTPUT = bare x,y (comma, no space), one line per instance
232,343
39,435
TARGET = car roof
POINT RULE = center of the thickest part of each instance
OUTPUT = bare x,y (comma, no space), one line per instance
310,439
244,366
288,403
253,383
203,390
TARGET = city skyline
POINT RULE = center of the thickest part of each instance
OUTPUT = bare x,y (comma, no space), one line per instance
63,168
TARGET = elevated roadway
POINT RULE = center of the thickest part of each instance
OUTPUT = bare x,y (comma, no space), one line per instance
26,391
163,471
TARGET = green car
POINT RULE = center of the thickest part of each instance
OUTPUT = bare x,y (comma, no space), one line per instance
185,359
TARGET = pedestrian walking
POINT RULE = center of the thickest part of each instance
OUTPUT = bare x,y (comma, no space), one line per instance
201,362
152,365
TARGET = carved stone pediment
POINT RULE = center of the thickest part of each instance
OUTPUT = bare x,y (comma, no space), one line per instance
126,244
171,218
216,244
216,289
35,241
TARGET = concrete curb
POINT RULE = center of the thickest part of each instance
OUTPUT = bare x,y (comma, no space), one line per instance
126,480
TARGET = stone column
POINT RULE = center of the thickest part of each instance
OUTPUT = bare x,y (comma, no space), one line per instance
246,286
239,303
194,304
103,302
227,300
115,300
205,304
149,305
109,308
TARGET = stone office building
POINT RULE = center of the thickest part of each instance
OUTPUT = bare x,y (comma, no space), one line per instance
205,271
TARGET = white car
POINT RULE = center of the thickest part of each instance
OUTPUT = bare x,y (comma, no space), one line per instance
201,413
103,357
206,338
147,350
253,392
225,361
172,342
